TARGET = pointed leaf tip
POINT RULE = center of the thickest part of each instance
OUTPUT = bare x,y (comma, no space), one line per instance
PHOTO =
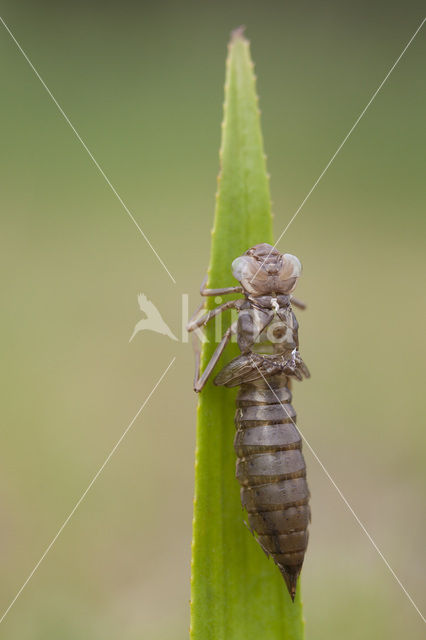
238,34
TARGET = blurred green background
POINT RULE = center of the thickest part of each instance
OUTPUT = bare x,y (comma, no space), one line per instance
143,85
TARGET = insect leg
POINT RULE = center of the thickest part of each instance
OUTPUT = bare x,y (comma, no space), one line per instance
297,303
201,381
196,346
195,314
231,304
218,292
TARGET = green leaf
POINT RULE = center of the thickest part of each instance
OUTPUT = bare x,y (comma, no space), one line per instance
236,592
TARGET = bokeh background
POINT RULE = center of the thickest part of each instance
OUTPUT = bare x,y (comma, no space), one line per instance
143,84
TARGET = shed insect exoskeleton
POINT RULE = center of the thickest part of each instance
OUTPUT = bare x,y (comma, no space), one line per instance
270,466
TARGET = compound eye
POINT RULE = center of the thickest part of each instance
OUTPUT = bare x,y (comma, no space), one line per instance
243,267
291,270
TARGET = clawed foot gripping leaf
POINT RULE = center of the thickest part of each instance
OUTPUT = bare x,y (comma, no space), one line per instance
237,593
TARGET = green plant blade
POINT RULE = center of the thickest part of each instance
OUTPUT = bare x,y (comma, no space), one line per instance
236,592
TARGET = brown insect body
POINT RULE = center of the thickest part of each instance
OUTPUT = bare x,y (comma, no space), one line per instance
272,473
270,464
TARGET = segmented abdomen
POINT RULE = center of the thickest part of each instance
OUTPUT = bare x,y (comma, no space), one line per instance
272,473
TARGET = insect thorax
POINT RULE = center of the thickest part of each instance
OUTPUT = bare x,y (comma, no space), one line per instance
267,325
